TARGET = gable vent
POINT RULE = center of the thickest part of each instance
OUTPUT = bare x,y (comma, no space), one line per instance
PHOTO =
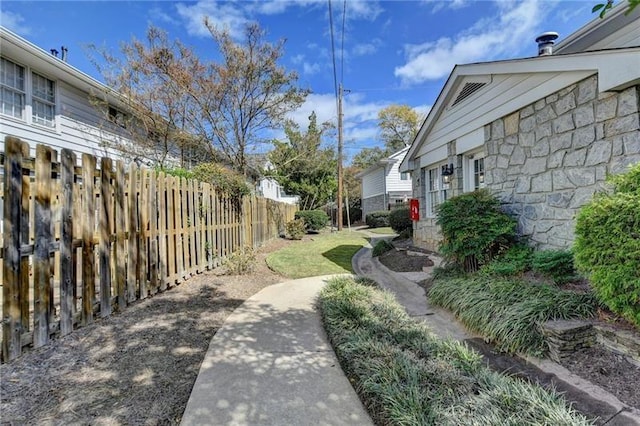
468,90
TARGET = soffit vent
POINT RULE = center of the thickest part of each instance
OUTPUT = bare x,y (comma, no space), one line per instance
468,90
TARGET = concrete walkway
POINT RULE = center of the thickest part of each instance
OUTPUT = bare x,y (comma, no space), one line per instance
272,364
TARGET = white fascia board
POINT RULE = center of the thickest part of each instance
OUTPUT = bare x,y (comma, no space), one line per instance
617,69
27,53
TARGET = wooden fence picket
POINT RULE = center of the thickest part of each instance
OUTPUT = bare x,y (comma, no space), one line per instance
120,228
67,163
11,265
78,239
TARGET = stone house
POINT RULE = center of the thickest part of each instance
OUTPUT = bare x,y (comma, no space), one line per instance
541,133
383,185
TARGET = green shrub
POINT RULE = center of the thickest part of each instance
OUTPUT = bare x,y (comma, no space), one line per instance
314,220
399,220
509,311
514,261
381,247
241,262
224,180
378,219
557,264
607,247
474,229
296,229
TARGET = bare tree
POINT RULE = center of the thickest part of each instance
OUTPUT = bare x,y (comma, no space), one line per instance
179,100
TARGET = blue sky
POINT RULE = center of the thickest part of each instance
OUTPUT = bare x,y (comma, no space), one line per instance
394,51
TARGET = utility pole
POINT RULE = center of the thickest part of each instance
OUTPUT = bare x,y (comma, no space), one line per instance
340,157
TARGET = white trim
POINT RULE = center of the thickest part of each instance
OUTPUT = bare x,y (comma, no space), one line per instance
435,155
468,170
470,141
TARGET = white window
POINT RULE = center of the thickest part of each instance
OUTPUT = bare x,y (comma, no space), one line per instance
405,176
27,95
12,88
478,173
474,171
436,191
44,100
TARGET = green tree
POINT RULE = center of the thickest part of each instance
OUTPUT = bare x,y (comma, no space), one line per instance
604,7
303,167
398,125
368,157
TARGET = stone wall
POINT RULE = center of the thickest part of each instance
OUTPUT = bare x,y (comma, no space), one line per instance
548,159
373,204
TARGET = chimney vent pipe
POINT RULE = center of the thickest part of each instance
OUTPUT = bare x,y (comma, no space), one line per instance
64,53
545,43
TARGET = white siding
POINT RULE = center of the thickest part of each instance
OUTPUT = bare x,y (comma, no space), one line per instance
373,183
394,181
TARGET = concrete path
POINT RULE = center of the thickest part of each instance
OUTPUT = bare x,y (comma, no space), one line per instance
271,364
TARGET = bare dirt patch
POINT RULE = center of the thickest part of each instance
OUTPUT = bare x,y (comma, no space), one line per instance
135,367
597,364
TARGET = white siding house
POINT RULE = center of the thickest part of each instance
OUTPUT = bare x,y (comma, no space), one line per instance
541,133
270,188
383,185
47,101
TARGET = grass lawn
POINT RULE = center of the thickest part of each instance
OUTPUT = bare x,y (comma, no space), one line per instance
384,231
326,253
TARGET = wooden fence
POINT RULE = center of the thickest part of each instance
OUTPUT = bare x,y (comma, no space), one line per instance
79,242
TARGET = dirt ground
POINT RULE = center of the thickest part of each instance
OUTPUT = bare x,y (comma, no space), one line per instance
598,365
133,368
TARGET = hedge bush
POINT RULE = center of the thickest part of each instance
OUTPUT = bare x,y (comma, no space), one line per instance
474,229
296,229
378,219
400,221
514,261
315,220
557,264
607,247
381,247
227,181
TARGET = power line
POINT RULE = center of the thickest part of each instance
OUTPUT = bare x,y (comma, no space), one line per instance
333,54
344,14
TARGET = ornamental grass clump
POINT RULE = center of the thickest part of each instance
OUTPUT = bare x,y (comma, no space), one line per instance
407,376
607,247
510,311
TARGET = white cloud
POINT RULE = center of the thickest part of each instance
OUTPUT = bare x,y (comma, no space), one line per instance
157,14
363,9
229,16
439,5
362,49
310,69
500,37
14,22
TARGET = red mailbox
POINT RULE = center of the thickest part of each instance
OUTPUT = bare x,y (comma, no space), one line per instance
414,209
